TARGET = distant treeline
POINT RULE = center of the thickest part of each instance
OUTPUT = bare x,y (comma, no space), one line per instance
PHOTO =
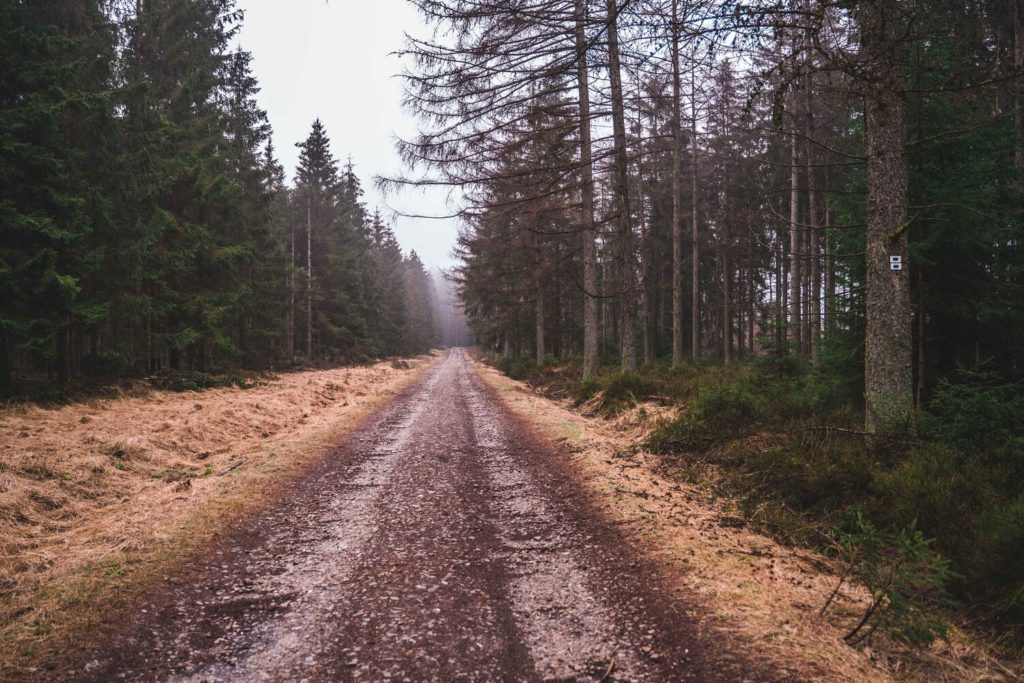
146,224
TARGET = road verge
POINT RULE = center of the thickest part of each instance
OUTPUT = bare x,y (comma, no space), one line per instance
756,591
97,498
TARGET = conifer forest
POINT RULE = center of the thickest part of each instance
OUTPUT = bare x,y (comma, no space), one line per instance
147,224
767,256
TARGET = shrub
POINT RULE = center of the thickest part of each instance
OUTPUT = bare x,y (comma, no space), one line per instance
719,412
623,389
903,574
978,413
728,408
199,381
521,368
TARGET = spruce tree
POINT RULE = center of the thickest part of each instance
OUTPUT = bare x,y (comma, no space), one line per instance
53,76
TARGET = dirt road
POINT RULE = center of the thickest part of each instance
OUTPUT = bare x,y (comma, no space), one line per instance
441,542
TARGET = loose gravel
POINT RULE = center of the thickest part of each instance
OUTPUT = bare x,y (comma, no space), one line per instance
439,542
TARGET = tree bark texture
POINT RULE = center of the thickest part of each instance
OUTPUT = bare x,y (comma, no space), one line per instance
695,232
888,381
794,243
677,198
627,267
814,230
591,350
309,282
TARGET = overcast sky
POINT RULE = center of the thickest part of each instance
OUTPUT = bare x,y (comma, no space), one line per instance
330,58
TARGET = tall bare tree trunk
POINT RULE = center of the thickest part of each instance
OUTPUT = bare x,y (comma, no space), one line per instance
291,296
645,253
726,274
751,299
888,380
922,332
695,233
783,298
540,322
309,282
591,357
627,269
677,197
814,319
830,273
539,278
1018,66
794,242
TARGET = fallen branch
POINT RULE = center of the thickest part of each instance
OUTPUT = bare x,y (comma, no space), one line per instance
232,468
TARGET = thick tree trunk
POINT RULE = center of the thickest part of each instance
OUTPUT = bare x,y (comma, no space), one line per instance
591,352
677,197
888,381
627,266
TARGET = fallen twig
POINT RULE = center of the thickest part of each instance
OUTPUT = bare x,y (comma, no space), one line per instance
232,468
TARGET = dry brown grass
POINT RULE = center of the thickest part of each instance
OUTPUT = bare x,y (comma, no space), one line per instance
96,496
767,596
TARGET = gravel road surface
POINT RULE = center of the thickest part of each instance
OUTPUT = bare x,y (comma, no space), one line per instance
441,541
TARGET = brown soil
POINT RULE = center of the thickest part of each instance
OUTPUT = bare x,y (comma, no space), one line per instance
95,496
440,541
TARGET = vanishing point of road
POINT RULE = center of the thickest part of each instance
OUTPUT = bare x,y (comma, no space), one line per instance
441,541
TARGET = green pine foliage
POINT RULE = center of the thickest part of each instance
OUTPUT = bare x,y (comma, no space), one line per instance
146,224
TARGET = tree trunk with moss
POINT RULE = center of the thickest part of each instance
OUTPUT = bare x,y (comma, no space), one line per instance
888,381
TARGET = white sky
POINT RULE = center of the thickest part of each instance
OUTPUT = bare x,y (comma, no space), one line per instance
330,58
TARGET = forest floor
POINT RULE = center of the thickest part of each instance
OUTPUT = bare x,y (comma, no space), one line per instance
438,522
98,496
753,590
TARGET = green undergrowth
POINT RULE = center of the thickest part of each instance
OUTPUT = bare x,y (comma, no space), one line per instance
939,513
43,393
201,381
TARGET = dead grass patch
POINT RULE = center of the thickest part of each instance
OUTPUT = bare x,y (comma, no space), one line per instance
96,496
765,594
